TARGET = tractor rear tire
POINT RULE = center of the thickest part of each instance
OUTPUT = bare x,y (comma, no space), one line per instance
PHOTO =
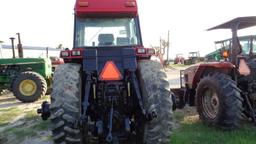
29,86
157,96
219,102
66,104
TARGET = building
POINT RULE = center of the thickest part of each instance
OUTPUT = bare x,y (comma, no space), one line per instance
29,52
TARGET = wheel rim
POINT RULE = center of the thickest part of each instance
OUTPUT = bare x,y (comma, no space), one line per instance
210,102
27,87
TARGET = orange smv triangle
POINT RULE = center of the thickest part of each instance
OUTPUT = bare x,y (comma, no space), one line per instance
110,72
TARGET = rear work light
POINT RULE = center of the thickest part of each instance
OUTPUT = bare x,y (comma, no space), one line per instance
83,4
64,54
76,53
130,4
141,51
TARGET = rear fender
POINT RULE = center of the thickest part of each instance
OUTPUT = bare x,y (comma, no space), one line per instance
194,73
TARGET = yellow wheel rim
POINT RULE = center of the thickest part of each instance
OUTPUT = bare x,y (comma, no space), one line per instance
27,87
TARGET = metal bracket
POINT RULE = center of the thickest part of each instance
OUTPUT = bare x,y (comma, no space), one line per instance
137,90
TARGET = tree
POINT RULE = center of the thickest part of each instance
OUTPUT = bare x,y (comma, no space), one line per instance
164,43
60,46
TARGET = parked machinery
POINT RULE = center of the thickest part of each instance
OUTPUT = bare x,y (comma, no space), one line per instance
108,90
27,78
224,91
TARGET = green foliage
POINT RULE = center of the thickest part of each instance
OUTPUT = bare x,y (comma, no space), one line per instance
193,131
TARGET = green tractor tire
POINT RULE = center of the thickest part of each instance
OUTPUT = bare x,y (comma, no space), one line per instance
29,86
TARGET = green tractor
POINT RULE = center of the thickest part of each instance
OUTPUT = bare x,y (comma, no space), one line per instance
193,58
225,45
27,78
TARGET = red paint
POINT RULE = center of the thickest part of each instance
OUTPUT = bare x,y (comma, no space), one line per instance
194,73
105,7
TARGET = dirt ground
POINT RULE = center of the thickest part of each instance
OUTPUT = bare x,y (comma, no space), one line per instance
19,122
8,101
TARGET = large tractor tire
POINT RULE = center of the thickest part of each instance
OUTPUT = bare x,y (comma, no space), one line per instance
29,86
65,104
219,102
157,96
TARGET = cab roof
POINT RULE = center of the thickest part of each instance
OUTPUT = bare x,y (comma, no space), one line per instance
239,23
103,8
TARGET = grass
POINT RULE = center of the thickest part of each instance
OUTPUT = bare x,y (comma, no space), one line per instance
8,114
19,133
31,125
192,131
45,98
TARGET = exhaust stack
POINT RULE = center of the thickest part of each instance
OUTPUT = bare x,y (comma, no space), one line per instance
13,49
20,48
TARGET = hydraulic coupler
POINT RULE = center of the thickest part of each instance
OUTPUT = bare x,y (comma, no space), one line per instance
44,110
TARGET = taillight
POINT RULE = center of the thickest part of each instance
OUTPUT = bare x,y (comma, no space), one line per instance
76,53
141,51
64,54
151,51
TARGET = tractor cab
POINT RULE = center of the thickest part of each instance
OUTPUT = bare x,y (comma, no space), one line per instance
106,30
96,32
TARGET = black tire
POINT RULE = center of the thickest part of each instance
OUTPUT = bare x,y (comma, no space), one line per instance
49,86
157,96
65,104
219,102
29,86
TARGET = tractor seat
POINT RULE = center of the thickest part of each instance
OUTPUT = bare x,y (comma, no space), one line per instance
106,39
122,41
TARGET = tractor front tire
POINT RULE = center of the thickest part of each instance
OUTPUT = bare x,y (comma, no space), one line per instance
29,86
219,102
157,97
65,104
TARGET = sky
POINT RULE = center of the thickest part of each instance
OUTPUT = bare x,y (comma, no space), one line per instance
50,22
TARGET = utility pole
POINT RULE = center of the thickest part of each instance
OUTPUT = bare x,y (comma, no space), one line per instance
168,45
47,52
160,43
1,53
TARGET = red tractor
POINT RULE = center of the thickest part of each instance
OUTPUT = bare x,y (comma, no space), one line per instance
179,59
224,91
108,90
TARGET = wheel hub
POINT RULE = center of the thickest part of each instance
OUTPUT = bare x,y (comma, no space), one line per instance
27,87
210,103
